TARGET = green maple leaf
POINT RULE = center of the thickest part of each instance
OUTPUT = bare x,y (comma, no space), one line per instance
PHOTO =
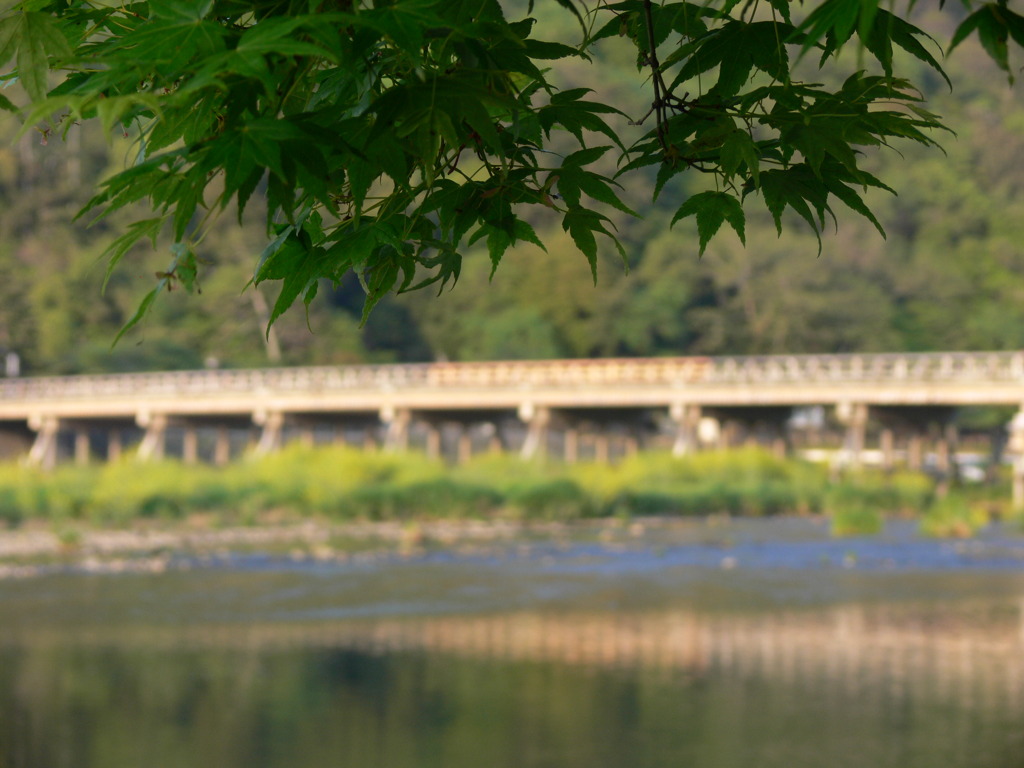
712,209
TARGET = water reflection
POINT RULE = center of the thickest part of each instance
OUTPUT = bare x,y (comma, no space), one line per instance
863,685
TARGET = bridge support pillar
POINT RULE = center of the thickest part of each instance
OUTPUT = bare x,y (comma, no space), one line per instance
272,426
464,450
369,440
1016,446
631,446
915,452
114,445
886,444
397,421
152,445
81,446
493,435
43,453
948,448
190,445
222,447
687,420
433,446
537,419
855,417
572,445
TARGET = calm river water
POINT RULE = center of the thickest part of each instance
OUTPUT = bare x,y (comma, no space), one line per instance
770,646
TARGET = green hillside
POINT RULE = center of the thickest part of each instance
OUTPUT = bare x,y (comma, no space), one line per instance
950,275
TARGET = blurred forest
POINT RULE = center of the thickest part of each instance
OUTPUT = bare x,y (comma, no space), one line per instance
950,275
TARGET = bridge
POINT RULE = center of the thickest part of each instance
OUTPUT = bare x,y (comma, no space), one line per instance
904,405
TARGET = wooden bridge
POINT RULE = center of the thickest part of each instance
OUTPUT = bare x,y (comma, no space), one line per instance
906,403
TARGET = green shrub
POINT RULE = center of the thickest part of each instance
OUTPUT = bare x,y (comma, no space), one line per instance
857,520
650,503
440,498
350,483
558,499
855,510
320,479
11,513
953,516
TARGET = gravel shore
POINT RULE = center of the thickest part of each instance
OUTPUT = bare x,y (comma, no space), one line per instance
29,552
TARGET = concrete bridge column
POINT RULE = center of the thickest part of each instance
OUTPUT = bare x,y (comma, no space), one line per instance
81,446
687,420
948,444
190,445
1016,446
537,419
710,432
915,452
855,417
222,446
114,446
152,445
572,445
631,446
464,451
433,446
886,444
493,434
43,453
397,421
272,424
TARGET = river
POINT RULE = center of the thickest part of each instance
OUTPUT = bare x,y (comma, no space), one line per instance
757,644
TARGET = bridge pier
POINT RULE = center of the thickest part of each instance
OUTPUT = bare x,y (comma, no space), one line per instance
222,446
82,449
723,427
43,453
571,447
887,446
272,427
607,432
190,445
537,420
396,421
945,456
154,440
854,416
114,445
464,446
686,418
433,442
1016,447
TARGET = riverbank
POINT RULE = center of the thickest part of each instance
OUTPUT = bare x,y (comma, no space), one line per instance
36,548
334,501
781,543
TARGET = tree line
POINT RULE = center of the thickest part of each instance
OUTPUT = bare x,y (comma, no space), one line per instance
948,275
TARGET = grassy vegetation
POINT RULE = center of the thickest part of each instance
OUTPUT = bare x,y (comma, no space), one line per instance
346,484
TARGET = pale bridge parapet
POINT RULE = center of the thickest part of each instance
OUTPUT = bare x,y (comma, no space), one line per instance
796,371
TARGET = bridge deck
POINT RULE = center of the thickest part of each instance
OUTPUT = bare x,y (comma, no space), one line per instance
883,379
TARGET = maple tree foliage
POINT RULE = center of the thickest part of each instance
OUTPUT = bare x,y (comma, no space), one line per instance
389,135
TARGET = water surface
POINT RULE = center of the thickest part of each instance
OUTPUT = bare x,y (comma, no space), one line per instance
767,646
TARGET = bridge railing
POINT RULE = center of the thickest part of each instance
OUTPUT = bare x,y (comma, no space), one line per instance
922,367
978,367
